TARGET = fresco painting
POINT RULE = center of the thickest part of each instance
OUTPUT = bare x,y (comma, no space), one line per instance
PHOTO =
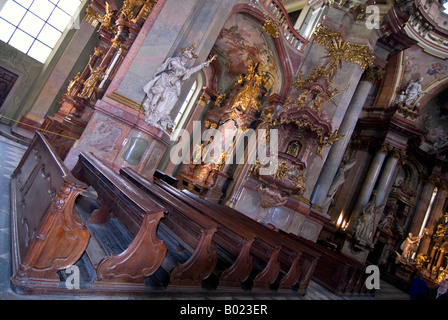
242,38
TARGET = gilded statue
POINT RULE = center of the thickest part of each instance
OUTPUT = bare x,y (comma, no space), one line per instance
106,20
248,97
72,83
92,81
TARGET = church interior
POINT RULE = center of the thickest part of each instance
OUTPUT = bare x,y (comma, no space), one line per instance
226,146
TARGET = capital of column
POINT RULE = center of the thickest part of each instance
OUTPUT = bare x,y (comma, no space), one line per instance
373,74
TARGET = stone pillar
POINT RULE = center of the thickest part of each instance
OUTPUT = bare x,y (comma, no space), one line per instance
387,176
369,183
422,206
337,151
117,132
435,214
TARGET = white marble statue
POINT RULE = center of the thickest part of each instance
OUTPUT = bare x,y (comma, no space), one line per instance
410,245
367,222
163,90
338,180
413,90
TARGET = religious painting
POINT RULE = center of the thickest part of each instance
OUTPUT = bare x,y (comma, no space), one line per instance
293,149
7,80
242,39
418,64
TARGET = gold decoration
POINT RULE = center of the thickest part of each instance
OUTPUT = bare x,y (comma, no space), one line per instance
92,17
129,6
219,99
300,182
106,20
270,26
322,142
73,82
373,74
219,164
249,97
281,172
339,50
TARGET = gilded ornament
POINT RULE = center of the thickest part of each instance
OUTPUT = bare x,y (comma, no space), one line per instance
270,26
281,172
339,50
129,6
92,17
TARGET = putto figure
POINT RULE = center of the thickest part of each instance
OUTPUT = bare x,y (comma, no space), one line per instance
163,90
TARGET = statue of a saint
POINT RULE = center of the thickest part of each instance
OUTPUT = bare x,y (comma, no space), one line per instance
96,76
409,246
413,90
72,83
163,90
366,224
338,180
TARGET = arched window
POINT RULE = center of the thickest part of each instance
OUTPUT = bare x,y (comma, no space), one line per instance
35,26
186,108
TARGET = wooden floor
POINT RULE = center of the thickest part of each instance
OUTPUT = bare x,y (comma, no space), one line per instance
11,150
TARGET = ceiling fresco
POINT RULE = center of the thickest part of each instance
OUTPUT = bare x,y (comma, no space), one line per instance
241,38
418,64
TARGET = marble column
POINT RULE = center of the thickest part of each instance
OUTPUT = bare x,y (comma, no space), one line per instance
337,151
369,184
435,214
387,177
422,206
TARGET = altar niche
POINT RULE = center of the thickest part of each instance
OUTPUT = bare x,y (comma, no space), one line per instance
231,135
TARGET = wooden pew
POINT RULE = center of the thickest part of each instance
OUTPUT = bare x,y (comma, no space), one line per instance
338,272
234,247
136,211
253,238
298,260
47,235
142,216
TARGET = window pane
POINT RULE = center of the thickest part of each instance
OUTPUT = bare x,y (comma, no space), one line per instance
31,24
12,12
42,8
21,41
24,3
25,22
59,19
69,6
7,30
49,35
39,51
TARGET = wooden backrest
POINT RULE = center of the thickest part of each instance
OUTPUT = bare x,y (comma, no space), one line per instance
37,180
127,201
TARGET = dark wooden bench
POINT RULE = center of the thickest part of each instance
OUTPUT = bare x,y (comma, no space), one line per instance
47,235
239,263
338,272
297,260
137,212
142,214
243,241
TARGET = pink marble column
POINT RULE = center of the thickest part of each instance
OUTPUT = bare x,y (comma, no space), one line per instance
369,183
